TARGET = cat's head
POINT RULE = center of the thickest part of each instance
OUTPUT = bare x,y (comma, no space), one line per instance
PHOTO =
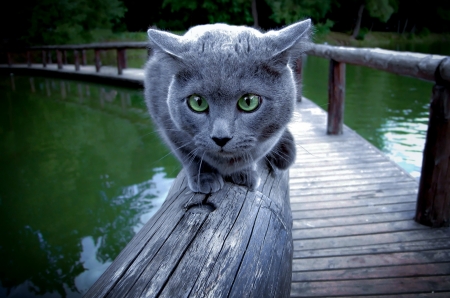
232,89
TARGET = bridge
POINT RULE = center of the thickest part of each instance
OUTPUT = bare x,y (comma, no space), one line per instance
345,221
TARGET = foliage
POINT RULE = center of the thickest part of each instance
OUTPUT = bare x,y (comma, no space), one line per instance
194,12
362,34
382,9
65,21
289,11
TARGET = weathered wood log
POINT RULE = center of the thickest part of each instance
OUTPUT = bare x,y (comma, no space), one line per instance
433,200
231,243
416,65
336,97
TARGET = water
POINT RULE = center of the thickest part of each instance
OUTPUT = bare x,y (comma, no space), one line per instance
81,170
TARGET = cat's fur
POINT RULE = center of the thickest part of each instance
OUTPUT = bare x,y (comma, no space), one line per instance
222,63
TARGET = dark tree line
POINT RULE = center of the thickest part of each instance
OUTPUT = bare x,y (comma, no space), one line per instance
63,21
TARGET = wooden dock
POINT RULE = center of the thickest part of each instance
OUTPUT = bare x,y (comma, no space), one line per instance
352,208
353,227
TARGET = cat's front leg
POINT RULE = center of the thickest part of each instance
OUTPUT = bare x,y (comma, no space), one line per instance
202,178
247,177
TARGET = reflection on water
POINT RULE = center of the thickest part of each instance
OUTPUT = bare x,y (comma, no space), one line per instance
81,171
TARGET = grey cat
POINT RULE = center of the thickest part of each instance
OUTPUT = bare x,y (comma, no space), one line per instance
221,97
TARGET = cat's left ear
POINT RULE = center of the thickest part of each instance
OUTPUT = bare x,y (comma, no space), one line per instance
287,38
167,42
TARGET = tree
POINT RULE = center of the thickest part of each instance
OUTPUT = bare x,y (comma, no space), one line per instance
290,11
194,12
379,9
63,21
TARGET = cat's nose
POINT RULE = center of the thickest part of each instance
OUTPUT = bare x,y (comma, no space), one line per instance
220,141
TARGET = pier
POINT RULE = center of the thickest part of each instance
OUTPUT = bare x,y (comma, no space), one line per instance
360,224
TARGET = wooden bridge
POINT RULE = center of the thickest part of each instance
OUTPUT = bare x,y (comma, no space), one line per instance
355,213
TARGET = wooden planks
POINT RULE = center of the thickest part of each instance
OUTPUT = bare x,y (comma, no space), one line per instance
353,228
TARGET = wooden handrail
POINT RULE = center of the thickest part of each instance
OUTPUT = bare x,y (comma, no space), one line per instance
417,65
61,50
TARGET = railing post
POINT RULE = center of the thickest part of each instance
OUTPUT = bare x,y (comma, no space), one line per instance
98,61
59,59
336,96
433,199
9,58
83,57
49,57
29,58
121,60
44,58
76,55
298,77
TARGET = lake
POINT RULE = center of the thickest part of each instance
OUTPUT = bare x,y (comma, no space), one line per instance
82,167
81,170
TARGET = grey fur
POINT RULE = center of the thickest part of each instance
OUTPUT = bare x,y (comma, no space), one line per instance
222,63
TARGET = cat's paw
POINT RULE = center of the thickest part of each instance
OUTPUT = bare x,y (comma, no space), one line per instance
282,155
205,182
249,178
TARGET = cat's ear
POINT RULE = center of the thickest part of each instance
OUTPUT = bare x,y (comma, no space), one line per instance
170,43
287,38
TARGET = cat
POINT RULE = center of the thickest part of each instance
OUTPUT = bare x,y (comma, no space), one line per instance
221,97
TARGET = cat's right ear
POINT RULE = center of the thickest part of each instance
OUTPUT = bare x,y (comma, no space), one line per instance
167,42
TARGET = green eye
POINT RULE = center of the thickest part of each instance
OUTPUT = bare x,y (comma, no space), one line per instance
197,103
249,102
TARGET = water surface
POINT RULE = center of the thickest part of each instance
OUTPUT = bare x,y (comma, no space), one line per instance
81,170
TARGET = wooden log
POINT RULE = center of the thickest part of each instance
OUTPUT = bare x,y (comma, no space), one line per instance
59,59
336,96
76,55
231,243
98,61
29,62
433,200
44,58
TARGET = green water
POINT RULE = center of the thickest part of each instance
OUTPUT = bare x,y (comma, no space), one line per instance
81,169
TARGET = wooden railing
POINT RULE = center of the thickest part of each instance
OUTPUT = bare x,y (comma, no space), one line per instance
433,204
79,54
433,201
